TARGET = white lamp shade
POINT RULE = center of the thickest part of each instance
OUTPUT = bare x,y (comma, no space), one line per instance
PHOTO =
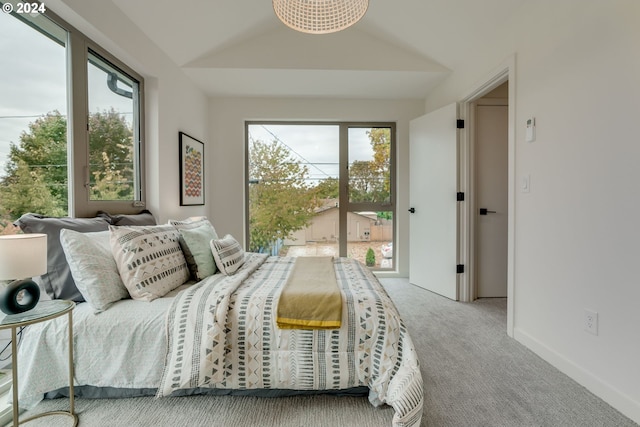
23,256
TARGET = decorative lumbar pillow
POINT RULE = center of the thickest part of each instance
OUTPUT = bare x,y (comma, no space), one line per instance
228,254
149,259
197,250
58,281
93,267
190,223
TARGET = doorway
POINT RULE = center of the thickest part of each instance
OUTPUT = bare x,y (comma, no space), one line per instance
446,234
505,73
490,183
461,257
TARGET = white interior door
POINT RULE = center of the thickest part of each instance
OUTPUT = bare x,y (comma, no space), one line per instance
433,186
491,165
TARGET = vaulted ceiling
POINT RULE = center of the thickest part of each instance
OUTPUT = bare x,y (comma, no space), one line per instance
400,49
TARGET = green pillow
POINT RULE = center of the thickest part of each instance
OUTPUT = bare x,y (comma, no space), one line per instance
197,251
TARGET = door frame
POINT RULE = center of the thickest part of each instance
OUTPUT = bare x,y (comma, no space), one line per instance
467,289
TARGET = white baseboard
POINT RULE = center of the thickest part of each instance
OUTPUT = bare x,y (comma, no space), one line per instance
614,397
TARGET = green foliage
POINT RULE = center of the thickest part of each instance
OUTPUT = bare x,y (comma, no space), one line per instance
36,170
385,215
109,183
36,173
280,202
370,181
365,184
29,192
370,258
328,189
111,156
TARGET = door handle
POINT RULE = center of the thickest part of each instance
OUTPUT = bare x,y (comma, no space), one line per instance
484,211
412,210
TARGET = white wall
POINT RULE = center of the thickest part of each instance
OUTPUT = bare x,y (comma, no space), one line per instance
227,155
576,232
173,102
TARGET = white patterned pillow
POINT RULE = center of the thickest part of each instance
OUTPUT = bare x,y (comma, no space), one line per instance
228,254
93,268
149,259
190,223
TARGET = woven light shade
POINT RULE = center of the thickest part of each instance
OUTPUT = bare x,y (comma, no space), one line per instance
320,16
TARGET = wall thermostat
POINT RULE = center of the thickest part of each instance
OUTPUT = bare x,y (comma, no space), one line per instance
531,129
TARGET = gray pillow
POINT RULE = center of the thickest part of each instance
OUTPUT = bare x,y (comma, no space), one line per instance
58,282
143,218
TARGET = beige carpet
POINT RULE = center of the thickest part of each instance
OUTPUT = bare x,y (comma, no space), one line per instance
475,376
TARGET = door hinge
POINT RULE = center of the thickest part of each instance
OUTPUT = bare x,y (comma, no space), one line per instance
460,268
460,196
460,124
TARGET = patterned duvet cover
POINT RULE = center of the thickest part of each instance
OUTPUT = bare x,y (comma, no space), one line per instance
222,333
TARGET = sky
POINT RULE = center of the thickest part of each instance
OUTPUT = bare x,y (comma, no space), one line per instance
32,80
315,145
33,83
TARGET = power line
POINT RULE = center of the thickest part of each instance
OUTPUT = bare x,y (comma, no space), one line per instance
26,117
61,115
294,151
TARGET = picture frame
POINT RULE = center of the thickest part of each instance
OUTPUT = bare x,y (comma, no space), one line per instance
191,160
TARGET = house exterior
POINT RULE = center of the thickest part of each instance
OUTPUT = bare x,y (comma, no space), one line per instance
575,68
361,227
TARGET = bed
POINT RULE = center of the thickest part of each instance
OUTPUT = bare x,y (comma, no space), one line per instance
219,335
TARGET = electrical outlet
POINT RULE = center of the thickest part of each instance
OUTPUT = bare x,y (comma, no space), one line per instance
591,321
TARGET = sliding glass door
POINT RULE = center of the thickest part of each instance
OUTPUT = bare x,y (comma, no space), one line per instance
321,189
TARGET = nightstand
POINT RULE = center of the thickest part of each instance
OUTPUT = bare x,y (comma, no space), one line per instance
44,311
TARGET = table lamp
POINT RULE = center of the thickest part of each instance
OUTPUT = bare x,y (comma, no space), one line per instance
22,257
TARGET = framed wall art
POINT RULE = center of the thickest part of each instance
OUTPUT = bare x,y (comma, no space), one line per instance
191,171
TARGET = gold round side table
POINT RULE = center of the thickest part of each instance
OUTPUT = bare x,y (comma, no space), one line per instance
44,311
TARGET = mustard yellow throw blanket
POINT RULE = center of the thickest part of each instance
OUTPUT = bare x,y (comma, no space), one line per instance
311,298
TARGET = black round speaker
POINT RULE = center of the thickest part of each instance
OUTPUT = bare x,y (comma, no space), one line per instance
9,296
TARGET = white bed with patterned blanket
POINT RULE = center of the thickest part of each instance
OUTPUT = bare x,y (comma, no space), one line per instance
220,334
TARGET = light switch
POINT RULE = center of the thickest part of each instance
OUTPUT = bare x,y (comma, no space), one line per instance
525,184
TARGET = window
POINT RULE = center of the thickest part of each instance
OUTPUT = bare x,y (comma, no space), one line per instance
322,189
113,128
71,131
33,118
370,184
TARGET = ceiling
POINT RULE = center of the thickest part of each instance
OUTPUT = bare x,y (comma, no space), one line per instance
401,49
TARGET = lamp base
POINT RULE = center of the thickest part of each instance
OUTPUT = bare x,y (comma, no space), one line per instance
9,303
